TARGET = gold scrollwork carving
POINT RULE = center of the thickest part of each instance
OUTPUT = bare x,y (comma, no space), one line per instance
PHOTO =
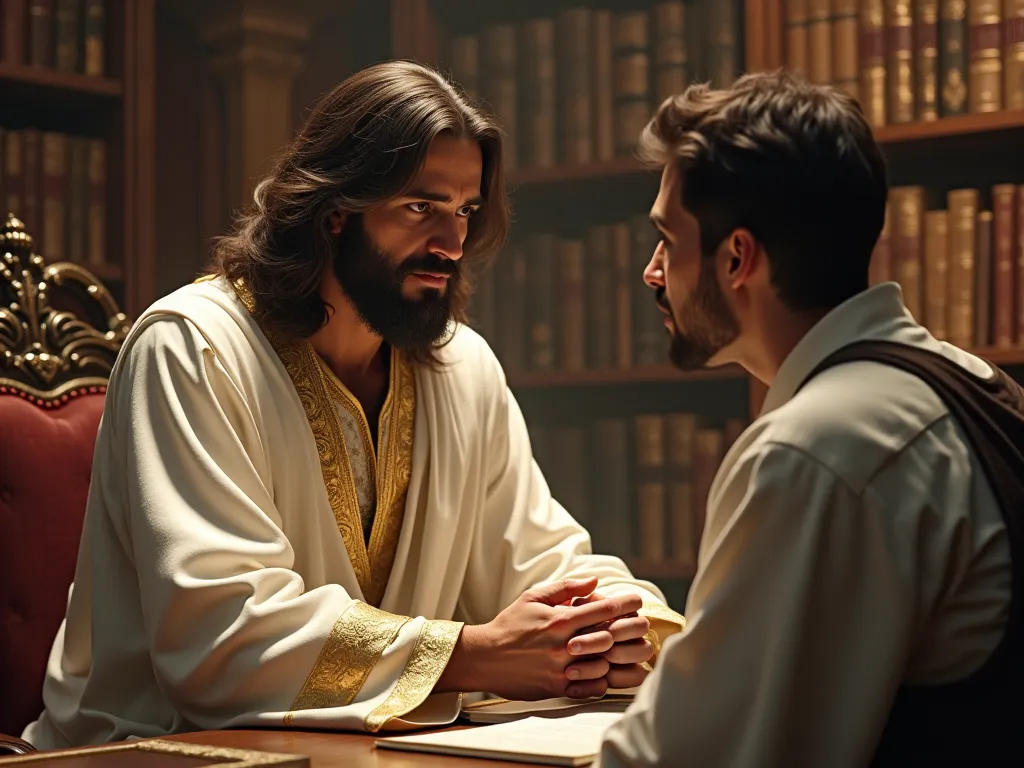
47,353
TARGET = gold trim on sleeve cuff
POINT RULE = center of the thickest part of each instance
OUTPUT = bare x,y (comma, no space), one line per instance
357,640
659,614
428,660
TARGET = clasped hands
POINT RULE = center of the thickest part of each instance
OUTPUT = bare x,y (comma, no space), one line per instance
561,639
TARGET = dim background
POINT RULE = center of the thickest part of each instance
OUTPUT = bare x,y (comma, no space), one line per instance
133,131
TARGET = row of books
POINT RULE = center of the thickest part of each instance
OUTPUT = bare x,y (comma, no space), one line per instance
912,60
66,35
573,303
580,86
57,185
640,485
961,267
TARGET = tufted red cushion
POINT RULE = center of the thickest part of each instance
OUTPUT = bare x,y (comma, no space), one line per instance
45,463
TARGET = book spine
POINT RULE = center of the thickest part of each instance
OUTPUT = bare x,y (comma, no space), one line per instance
97,255
927,73
600,302
67,51
936,282
953,57
1006,284
710,450
54,194
573,323
499,76
900,61
797,42
963,213
622,271
601,83
724,49
1013,54
845,59
512,330
872,62
682,432
819,41
908,210
985,85
541,286
95,38
539,96
670,55
648,322
574,34
650,466
881,270
983,280
40,33
631,88
32,191
15,14
1019,248
611,491
464,61
14,173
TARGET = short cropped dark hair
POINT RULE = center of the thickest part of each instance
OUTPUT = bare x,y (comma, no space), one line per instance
794,163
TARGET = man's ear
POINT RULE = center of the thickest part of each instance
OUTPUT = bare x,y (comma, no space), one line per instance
741,252
337,220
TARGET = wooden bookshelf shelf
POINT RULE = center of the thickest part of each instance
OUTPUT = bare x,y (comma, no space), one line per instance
16,77
659,569
951,127
638,375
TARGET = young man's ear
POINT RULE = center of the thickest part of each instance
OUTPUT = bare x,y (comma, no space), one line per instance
337,222
742,250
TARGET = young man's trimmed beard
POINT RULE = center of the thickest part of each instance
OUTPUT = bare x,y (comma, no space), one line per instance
373,284
706,324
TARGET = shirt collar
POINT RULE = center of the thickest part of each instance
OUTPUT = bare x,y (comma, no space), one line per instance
877,313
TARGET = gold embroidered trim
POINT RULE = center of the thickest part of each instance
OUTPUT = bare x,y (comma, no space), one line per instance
427,661
315,384
357,640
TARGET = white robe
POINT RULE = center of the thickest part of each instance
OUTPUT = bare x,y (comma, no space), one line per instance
223,579
852,545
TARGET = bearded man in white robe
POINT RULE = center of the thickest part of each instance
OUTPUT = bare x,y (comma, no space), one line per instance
313,501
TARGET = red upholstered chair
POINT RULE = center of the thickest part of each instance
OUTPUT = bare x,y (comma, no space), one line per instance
60,332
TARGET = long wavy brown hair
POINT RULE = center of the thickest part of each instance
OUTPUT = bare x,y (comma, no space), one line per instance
363,144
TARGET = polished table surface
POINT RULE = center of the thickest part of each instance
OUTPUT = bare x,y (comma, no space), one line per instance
332,750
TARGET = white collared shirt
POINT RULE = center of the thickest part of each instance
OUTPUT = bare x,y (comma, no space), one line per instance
852,545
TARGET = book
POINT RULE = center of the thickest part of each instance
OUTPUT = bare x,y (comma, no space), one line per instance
491,711
569,741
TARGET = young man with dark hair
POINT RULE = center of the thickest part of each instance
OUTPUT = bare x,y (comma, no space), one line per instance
313,501
852,600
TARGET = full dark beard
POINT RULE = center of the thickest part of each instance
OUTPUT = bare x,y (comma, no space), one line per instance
709,322
373,284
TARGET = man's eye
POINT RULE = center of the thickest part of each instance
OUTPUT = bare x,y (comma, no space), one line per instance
466,211
419,207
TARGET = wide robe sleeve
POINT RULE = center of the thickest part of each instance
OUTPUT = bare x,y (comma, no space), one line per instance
235,636
800,624
525,537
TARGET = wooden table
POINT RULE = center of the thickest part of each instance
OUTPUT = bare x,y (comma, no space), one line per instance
332,750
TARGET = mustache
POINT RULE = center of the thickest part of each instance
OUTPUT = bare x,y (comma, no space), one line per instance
429,262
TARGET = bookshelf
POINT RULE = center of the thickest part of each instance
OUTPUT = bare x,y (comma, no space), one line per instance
938,139
78,131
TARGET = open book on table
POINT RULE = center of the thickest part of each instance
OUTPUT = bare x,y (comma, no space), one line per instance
569,741
489,711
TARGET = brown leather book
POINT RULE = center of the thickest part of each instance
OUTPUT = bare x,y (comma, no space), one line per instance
611,488
40,33
574,59
569,475
95,38
651,486
724,45
603,117
819,41
907,244
13,24
54,196
963,213
631,89
67,34
872,62
464,62
538,90
498,71
845,56
572,310
14,173
900,60
682,436
158,753
983,280
1019,249
985,43
710,451
1006,283
622,277
97,253
671,75
936,273
32,191
953,57
797,42
512,322
881,270
600,298
650,342
541,298
1013,54
926,75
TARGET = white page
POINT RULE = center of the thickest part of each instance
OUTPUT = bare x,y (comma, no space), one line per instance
578,736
